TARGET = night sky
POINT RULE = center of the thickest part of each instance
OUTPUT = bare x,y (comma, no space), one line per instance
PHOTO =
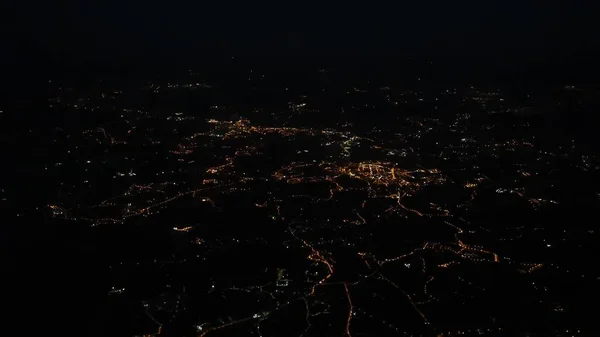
128,34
